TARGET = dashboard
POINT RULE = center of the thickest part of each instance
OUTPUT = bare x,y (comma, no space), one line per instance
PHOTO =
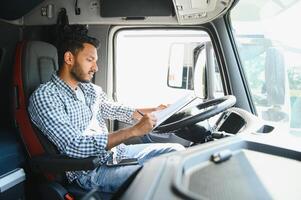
229,168
230,122
239,121
238,167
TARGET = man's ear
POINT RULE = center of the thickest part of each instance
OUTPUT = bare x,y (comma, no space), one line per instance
68,58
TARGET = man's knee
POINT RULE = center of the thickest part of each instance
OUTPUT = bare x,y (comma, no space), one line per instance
176,147
170,147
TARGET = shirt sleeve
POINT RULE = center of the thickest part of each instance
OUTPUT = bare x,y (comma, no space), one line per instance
115,111
47,112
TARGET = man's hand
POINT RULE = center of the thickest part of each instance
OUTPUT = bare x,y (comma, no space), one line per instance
145,125
141,111
161,107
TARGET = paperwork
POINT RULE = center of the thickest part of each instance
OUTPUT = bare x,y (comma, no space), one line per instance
164,114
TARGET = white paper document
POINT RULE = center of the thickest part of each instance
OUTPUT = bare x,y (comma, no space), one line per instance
164,114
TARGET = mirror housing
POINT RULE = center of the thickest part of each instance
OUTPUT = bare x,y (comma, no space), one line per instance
180,69
191,67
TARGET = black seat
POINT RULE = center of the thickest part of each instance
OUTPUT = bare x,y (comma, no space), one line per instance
35,62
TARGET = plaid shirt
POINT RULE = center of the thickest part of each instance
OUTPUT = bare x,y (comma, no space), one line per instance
55,109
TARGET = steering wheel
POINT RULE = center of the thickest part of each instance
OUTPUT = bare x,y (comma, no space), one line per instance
208,109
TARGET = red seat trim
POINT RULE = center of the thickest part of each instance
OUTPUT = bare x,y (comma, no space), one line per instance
32,143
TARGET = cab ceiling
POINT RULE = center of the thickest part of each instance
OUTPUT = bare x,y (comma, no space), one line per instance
114,12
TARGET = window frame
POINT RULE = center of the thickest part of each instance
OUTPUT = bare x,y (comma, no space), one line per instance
113,32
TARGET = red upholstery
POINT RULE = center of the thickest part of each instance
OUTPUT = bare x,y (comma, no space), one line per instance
22,120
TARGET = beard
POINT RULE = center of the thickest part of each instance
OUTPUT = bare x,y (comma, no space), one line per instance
78,74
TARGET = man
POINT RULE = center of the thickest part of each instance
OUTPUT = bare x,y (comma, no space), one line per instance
71,112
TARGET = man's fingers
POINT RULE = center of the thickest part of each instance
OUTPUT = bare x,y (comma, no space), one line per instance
152,120
162,106
150,116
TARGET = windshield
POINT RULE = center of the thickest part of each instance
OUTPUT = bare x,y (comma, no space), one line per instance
269,47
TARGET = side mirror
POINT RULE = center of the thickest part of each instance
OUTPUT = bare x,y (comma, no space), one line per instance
180,69
192,67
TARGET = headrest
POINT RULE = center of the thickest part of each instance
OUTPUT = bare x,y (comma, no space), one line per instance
39,61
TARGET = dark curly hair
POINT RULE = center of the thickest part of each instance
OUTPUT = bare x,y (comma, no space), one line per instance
73,39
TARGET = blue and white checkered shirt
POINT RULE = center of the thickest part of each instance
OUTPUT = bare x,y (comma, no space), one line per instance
55,109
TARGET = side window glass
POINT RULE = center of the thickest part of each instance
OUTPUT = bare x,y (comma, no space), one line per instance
270,52
269,48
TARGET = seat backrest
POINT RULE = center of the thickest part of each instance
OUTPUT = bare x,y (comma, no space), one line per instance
39,62
35,62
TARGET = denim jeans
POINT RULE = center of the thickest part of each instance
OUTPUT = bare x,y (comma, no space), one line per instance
109,179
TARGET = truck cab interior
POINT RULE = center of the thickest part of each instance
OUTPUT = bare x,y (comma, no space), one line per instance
238,60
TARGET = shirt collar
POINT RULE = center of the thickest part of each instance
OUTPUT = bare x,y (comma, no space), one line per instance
87,88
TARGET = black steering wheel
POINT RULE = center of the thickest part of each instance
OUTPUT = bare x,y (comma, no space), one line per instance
205,109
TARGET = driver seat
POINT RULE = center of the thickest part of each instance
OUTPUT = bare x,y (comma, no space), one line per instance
35,61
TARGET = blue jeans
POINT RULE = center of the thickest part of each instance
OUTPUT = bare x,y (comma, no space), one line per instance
109,179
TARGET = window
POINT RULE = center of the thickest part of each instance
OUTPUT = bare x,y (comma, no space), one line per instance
269,46
154,66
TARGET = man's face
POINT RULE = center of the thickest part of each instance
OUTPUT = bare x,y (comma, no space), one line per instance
85,64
